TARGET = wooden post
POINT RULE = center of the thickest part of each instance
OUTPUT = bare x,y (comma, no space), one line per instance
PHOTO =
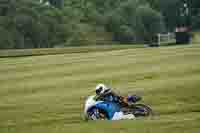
168,37
159,39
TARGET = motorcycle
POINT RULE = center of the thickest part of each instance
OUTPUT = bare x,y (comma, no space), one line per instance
103,110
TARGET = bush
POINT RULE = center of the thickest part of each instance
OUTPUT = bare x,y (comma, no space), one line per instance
148,23
6,40
124,34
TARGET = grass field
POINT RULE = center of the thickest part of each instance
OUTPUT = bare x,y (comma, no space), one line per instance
45,94
66,50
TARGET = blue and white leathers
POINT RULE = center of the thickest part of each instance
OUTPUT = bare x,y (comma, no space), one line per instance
109,107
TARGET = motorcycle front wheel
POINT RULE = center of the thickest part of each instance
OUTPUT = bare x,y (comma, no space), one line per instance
97,114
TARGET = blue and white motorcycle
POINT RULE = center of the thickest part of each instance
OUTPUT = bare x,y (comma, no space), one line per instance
103,110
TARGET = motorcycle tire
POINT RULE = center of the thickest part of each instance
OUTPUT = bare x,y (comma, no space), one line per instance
101,115
141,110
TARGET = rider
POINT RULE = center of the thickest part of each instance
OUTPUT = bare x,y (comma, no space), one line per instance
106,94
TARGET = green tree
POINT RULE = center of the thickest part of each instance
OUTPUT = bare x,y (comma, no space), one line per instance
29,24
170,9
194,13
135,21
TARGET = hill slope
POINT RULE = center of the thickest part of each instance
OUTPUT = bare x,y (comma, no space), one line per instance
46,93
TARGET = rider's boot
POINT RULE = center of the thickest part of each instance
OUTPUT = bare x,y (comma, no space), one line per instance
122,116
134,98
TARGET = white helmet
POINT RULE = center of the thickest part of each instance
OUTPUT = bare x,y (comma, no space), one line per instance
100,89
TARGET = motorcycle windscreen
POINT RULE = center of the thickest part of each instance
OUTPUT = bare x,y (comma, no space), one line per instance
109,107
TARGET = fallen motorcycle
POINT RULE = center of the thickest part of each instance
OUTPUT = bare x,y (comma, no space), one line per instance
102,110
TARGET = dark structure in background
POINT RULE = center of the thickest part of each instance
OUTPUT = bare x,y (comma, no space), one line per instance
182,35
56,3
183,26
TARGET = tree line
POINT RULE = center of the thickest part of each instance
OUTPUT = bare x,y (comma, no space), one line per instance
48,23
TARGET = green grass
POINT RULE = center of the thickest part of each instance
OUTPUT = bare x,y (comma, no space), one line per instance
67,50
45,94
196,37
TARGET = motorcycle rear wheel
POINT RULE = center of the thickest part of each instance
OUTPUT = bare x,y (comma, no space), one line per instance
141,110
